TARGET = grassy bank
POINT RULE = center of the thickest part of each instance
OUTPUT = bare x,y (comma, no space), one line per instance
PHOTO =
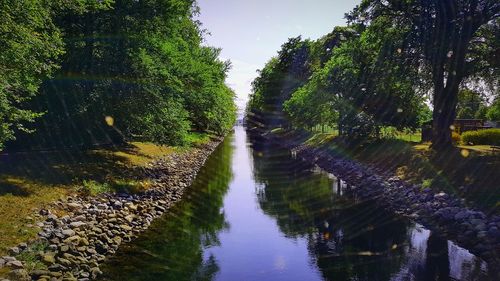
470,172
29,181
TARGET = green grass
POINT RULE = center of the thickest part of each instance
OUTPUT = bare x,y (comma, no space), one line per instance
29,256
474,167
31,180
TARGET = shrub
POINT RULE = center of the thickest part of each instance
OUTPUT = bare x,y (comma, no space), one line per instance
488,137
92,188
455,137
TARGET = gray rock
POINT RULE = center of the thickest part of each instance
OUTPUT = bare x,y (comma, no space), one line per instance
51,218
64,261
74,206
22,246
95,272
79,218
8,258
461,215
68,232
77,224
14,251
39,272
20,275
15,264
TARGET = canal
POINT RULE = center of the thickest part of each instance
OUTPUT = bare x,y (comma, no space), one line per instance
255,213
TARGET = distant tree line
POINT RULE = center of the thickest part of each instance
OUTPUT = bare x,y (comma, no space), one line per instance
78,73
382,68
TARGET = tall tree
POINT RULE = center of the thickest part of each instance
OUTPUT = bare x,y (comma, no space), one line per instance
30,45
441,34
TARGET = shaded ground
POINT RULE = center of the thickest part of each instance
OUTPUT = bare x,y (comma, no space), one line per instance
471,172
31,180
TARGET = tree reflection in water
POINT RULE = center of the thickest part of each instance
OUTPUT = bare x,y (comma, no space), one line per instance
350,240
172,249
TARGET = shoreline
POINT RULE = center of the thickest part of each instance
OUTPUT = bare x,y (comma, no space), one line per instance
74,245
440,212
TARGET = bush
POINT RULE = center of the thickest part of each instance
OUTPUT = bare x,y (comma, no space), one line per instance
455,137
93,188
488,137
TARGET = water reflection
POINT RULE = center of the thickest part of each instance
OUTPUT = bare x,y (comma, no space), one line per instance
172,249
255,213
350,240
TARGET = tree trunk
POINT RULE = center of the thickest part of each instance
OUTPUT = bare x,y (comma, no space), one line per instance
445,102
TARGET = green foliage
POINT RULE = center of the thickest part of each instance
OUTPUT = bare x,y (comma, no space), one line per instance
470,105
487,137
142,63
30,45
165,123
449,44
30,256
360,84
280,77
379,70
92,188
493,112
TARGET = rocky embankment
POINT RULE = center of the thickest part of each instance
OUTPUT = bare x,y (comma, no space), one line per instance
72,247
438,211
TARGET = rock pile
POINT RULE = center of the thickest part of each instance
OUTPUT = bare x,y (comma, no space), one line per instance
74,245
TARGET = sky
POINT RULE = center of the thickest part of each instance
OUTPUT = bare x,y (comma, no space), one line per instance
250,32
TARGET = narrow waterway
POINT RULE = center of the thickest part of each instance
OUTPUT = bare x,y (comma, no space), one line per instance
255,213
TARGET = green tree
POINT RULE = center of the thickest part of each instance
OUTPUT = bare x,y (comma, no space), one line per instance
143,64
441,35
30,45
471,105
276,82
493,112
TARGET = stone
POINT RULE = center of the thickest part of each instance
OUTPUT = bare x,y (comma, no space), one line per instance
125,227
131,206
64,248
461,215
480,227
56,274
51,218
68,232
14,251
84,242
15,264
64,261
95,272
77,224
129,218
22,246
19,274
74,206
39,272
117,240
7,259
49,258
72,240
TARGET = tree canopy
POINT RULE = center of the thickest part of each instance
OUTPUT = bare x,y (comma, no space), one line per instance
120,70
390,61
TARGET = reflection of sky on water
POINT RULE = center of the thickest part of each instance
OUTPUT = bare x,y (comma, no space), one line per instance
462,264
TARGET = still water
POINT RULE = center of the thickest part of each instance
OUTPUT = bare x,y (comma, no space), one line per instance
255,213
